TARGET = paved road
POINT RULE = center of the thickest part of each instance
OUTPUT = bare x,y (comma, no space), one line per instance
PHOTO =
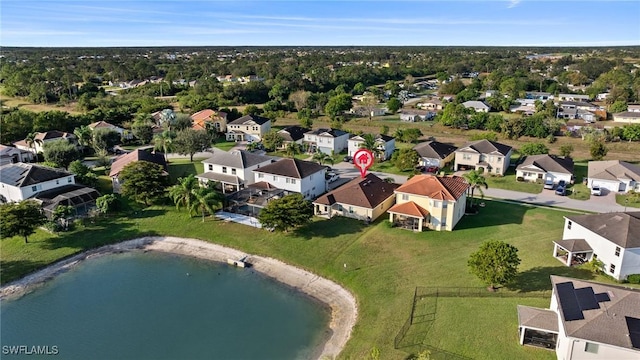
603,204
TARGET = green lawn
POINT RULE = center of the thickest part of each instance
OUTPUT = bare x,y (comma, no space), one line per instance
579,190
384,266
183,167
628,200
225,145
509,182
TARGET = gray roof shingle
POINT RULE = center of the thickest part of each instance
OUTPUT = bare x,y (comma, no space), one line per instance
292,168
238,159
548,163
434,150
621,228
255,118
21,174
613,170
486,147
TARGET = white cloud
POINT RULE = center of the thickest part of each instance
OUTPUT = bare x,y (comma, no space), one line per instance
513,3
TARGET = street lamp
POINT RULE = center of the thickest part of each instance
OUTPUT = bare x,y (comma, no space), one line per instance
626,201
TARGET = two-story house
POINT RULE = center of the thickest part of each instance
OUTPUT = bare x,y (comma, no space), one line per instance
233,170
434,153
545,167
429,201
484,155
613,238
292,134
22,181
41,138
328,141
385,145
363,198
613,175
293,175
210,119
248,128
585,320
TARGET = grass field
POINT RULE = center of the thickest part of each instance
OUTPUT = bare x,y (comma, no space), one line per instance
384,265
509,182
26,105
183,167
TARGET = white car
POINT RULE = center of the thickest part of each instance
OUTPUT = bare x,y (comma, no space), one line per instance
331,176
596,191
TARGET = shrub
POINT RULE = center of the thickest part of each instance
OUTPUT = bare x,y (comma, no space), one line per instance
520,178
633,279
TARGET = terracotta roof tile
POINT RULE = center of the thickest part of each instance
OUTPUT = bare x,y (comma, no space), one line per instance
409,208
435,187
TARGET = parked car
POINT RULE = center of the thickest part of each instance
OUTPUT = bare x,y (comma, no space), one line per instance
421,168
561,191
596,190
549,184
562,184
432,169
331,176
348,159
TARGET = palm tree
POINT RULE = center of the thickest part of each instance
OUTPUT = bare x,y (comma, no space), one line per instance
321,157
182,193
164,142
84,135
292,149
370,144
476,181
205,199
30,140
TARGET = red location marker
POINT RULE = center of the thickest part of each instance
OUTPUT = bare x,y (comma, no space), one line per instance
363,159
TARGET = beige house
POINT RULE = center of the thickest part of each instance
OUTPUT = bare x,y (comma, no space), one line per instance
362,198
429,201
627,117
208,118
248,128
487,156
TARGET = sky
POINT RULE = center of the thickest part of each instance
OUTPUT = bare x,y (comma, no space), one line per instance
51,23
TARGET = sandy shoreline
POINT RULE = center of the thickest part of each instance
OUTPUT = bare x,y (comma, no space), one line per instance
343,305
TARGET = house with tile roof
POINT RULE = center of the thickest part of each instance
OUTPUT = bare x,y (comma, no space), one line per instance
613,238
434,153
430,202
22,181
248,128
292,134
42,138
136,155
363,198
293,175
125,134
328,141
12,155
487,156
233,169
585,320
384,144
545,167
207,118
613,175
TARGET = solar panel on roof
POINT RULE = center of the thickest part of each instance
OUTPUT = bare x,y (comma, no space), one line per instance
587,299
633,326
569,302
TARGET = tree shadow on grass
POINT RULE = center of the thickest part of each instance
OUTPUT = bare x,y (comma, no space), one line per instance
492,214
336,226
12,270
96,236
538,278
147,213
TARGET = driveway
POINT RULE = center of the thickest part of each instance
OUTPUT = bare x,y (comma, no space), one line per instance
600,204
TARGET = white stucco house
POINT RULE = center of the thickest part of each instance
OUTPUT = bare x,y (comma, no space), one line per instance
385,145
627,117
478,106
613,238
10,155
42,138
248,128
21,181
327,141
613,175
125,134
585,320
233,169
546,167
293,175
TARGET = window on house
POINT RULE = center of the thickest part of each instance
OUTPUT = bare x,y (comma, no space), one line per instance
569,225
57,182
260,175
34,188
69,179
233,171
224,169
351,209
612,268
591,348
499,159
617,251
275,178
405,197
210,167
444,204
293,181
466,156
